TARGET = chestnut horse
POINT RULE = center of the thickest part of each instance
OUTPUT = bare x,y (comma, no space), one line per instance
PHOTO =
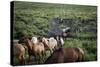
35,49
65,55
50,43
19,52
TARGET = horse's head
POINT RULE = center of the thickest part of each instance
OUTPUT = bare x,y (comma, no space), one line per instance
34,40
21,40
27,43
51,39
45,41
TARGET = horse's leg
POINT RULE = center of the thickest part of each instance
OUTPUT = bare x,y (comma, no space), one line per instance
43,55
36,59
51,51
40,58
20,59
29,60
23,59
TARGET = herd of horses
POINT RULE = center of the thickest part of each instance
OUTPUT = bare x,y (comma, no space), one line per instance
37,46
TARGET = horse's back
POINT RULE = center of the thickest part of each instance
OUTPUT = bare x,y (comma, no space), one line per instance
18,49
64,55
69,55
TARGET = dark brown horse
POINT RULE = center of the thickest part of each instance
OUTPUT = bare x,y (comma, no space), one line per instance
65,55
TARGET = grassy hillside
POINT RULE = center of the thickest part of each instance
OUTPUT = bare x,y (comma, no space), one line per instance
34,17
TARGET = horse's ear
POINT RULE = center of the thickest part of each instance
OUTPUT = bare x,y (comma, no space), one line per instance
21,40
29,38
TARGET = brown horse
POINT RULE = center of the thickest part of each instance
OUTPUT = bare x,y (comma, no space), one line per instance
35,49
19,52
50,43
65,55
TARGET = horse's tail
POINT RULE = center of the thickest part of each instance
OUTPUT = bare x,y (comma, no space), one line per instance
81,51
81,54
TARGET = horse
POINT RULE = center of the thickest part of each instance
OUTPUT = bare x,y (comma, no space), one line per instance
19,52
66,55
35,49
50,43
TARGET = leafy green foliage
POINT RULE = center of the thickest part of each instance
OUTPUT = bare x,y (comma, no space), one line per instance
33,18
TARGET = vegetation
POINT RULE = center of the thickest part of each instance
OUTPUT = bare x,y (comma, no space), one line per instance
32,19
